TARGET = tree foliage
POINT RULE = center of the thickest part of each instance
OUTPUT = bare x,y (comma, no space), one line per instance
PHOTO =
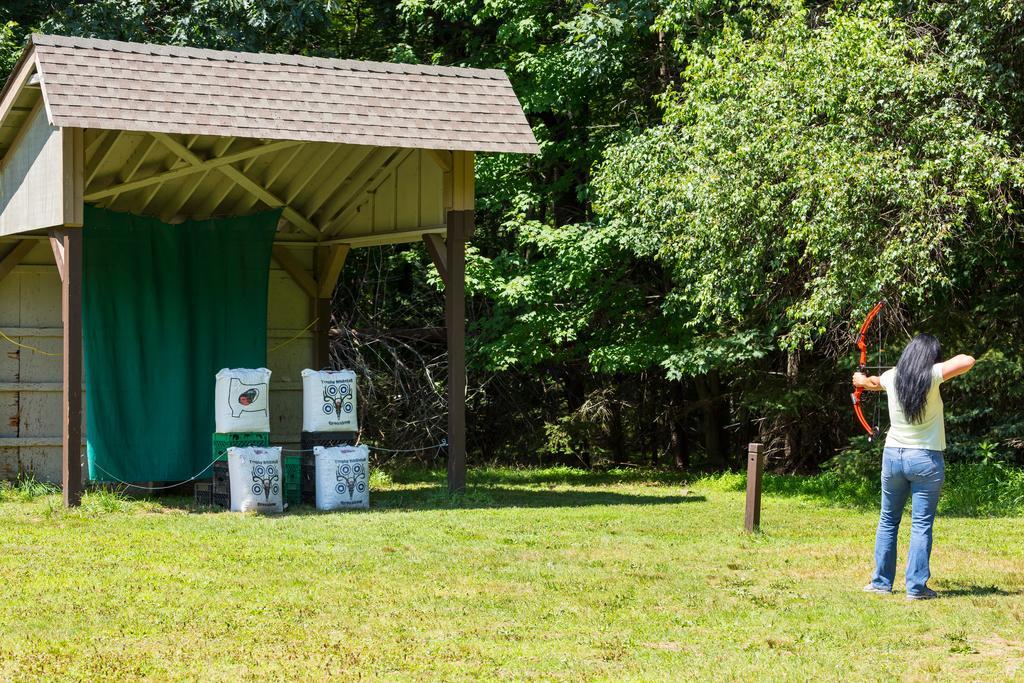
802,173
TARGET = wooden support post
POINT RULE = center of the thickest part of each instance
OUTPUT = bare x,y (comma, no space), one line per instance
460,225
755,467
67,245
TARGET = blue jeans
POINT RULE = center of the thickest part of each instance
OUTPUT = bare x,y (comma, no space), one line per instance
918,473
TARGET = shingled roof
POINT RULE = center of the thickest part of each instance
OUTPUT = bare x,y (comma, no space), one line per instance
103,84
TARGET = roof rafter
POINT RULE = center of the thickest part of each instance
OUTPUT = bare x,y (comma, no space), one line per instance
101,154
134,162
247,183
324,153
101,135
361,195
194,164
442,157
360,176
340,176
181,197
273,172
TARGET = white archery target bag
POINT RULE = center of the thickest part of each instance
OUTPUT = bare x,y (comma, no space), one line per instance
329,401
242,402
257,479
342,477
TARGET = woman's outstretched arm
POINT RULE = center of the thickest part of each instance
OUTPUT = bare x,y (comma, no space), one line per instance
957,365
866,383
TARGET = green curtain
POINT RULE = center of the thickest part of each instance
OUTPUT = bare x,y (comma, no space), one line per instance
164,308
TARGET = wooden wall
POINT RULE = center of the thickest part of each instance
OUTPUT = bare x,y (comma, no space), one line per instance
289,312
30,382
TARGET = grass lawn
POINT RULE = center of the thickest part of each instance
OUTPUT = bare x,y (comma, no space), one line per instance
533,575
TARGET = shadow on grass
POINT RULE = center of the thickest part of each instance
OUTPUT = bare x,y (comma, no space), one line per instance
521,476
976,591
476,498
503,497
554,487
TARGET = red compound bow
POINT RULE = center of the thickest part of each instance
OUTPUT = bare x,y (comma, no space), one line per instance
862,367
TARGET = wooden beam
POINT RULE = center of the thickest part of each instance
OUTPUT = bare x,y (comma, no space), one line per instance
215,197
73,143
360,177
71,313
188,188
455,324
438,254
273,172
149,195
221,147
371,239
362,194
57,245
270,199
195,164
446,192
291,265
335,181
463,190
100,156
321,155
20,76
100,137
132,165
441,157
138,157
333,260
247,183
14,256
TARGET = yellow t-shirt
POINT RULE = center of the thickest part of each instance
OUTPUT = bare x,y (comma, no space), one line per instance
930,433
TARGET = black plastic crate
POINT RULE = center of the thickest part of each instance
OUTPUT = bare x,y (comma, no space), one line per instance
221,481
206,496
326,439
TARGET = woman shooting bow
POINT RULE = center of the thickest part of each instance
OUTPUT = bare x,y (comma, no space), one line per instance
912,462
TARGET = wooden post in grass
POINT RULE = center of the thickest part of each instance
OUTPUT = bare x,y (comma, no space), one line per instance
755,467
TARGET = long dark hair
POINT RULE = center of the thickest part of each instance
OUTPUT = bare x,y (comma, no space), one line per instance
914,375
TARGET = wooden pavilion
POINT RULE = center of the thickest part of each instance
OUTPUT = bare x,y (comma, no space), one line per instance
355,154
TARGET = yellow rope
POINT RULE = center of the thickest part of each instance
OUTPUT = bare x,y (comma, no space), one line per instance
301,332
47,353
26,346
